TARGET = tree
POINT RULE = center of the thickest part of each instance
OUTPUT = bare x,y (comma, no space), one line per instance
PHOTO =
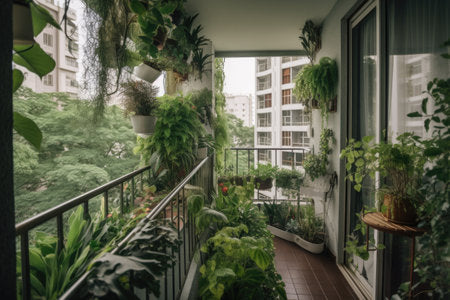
241,136
76,155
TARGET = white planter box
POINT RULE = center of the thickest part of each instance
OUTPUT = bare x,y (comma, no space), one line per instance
146,73
143,124
288,236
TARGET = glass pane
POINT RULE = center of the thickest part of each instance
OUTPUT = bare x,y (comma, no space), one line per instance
363,116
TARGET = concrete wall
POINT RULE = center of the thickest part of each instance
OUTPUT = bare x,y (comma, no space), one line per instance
331,47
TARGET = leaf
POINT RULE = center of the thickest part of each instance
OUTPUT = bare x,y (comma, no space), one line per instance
224,272
261,258
415,114
34,59
424,105
17,79
168,8
137,7
359,162
426,124
157,14
28,130
40,18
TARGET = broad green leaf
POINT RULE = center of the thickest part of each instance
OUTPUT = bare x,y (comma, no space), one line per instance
168,8
261,258
41,17
17,79
359,162
28,130
224,272
34,59
424,105
137,7
426,124
358,187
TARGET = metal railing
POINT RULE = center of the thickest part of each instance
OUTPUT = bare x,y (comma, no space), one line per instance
240,164
201,176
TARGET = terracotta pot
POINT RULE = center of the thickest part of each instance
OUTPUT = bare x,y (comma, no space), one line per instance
143,124
399,211
264,184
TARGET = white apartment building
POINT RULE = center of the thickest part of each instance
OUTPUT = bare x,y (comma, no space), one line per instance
280,120
241,107
62,49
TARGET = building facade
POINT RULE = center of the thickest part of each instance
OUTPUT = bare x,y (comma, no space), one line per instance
63,47
241,107
280,120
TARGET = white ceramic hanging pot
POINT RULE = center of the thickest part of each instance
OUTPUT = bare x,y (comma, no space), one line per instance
143,124
22,24
147,73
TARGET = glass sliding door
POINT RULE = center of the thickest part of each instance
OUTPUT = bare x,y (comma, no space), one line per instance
416,30
362,122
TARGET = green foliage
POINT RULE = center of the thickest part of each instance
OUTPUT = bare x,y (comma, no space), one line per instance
307,225
289,179
202,100
140,263
140,98
433,254
176,135
316,164
240,256
318,82
279,214
400,163
75,155
27,129
34,59
311,40
241,136
264,171
220,125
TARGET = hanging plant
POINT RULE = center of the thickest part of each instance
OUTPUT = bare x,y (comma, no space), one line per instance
311,40
318,82
316,164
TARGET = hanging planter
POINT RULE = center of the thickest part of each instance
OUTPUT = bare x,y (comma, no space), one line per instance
22,24
146,72
143,124
263,184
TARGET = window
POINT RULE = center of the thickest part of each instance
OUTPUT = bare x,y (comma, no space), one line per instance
286,97
265,120
300,139
286,77
71,81
264,138
48,39
71,46
264,101
286,138
263,64
292,158
70,61
286,59
295,71
264,82
264,155
295,117
48,80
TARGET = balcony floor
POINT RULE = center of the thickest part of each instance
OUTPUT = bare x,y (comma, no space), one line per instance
309,276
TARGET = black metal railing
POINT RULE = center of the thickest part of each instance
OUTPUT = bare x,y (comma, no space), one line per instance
201,177
240,160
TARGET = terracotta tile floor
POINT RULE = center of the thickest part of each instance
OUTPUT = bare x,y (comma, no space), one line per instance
309,276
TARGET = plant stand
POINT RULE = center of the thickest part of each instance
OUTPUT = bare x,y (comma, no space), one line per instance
377,221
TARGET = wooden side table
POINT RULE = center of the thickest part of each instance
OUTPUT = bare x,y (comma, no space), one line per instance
377,221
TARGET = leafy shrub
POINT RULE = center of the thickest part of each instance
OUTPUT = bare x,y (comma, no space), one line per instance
140,97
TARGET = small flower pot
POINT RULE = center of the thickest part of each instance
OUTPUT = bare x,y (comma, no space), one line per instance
147,73
143,124
263,184
399,211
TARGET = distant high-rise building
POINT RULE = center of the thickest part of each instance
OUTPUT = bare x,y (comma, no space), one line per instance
63,49
280,119
241,107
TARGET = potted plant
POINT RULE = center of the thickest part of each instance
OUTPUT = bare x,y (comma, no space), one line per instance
318,82
147,71
401,167
264,174
308,229
316,164
289,179
140,103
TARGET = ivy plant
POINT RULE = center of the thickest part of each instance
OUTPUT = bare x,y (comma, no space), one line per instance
316,164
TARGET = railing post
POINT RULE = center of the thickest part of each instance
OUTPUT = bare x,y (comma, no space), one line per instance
105,204
121,198
25,261
60,231
132,193
86,210
237,163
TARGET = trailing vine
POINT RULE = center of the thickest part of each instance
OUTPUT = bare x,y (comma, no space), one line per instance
316,164
220,122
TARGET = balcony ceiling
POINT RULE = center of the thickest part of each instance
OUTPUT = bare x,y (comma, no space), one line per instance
252,26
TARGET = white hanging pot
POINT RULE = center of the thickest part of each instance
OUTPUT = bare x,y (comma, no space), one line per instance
22,25
144,125
147,73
